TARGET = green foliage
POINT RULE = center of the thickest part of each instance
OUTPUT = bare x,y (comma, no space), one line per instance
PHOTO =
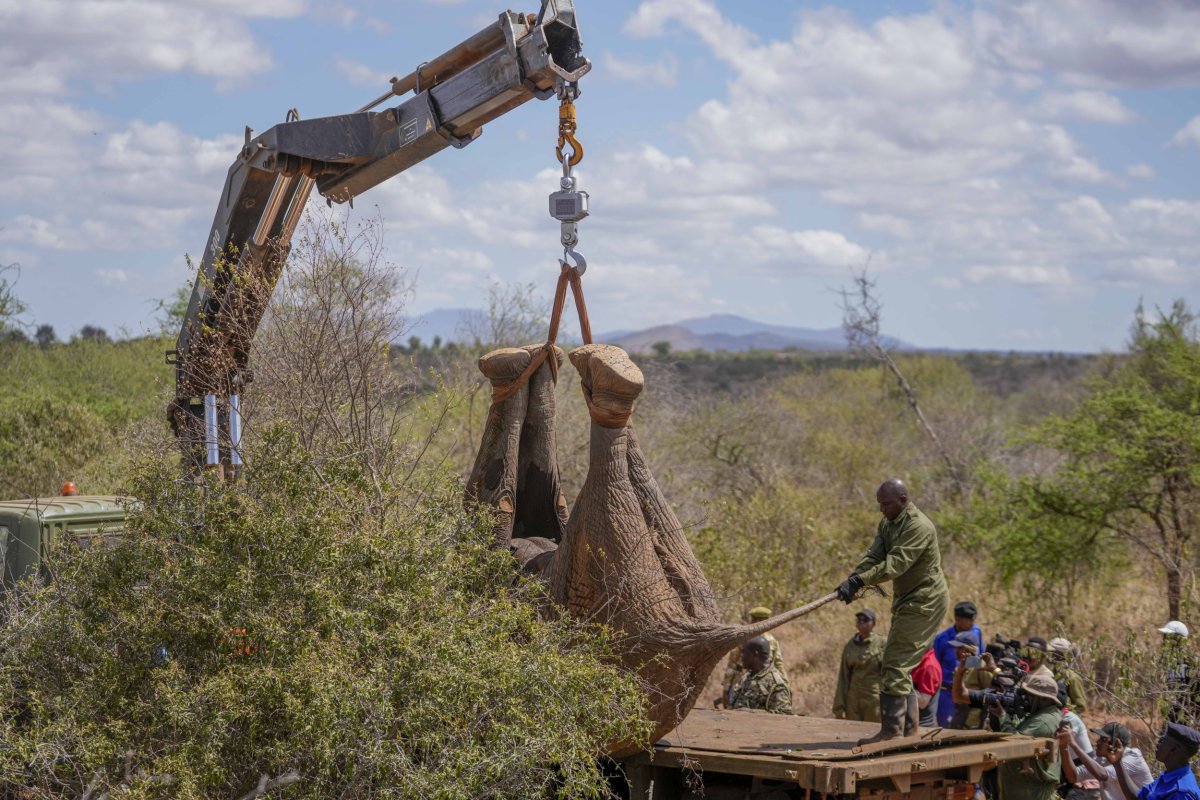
759,549
172,311
1128,465
393,653
43,439
120,382
63,407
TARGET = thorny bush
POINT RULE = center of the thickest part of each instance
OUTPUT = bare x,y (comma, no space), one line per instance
290,627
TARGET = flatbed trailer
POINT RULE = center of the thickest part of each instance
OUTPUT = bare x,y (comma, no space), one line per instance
753,755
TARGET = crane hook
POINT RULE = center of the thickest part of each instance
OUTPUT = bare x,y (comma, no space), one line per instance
580,265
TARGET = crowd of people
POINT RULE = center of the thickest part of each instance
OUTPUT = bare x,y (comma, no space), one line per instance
917,676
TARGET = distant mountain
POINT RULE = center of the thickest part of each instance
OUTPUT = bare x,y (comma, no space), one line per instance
740,326
732,333
727,332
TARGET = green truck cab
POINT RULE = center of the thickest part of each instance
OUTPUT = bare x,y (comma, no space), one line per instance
32,530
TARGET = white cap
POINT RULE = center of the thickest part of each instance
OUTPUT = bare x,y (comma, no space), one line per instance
1176,627
1059,645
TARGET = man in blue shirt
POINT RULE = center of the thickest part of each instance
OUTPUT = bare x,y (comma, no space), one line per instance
946,652
1177,746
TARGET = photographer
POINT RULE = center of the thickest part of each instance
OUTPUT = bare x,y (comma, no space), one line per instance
945,645
972,673
1098,768
1003,688
1038,778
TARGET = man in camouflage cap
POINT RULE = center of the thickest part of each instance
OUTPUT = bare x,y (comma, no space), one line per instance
735,670
764,686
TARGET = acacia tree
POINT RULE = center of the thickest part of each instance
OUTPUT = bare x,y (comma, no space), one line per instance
1130,454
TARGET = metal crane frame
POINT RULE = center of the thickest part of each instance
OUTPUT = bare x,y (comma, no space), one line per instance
517,58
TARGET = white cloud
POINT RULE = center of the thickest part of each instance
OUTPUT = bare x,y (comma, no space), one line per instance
1090,106
1094,42
1088,215
53,44
89,186
1188,134
886,223
360,74
701,16
1162,218
1026,275
1140,171
35,231
900,116
415,199
461,261
804,249
112,277
663,72
1165,270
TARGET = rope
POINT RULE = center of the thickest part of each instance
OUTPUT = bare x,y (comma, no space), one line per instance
569,276
602,416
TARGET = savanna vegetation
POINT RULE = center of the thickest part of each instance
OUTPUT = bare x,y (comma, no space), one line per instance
395,656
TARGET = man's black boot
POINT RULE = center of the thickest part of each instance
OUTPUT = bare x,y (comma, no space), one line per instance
892,711
912,715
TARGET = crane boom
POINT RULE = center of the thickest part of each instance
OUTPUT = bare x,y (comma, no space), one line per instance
517,58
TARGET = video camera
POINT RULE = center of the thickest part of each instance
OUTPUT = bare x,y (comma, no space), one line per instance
1005,689
1010,698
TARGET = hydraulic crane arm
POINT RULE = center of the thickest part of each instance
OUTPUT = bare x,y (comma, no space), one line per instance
515,59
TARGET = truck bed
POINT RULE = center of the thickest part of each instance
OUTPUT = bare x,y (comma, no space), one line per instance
792,756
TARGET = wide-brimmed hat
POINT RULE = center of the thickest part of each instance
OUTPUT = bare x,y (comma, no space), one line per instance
1041,684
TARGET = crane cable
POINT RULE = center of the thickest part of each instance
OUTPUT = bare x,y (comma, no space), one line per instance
569,206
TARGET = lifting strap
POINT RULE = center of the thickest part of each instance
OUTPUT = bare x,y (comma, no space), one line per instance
569,276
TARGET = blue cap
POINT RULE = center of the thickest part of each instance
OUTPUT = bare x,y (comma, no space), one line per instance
1188,737
965,639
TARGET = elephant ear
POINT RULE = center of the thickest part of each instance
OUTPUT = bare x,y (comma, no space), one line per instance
516,469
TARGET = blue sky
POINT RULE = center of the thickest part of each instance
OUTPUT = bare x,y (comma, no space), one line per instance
1018,174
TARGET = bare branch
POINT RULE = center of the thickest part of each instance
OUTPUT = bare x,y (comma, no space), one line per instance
268,784
862,313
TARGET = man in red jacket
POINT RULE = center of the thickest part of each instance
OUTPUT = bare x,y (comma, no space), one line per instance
927,680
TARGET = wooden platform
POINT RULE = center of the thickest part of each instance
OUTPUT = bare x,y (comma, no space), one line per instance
820,754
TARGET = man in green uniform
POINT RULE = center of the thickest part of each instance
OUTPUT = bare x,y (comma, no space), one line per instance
735,670
905,551
857,695
1036,778
1060,651
764,687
